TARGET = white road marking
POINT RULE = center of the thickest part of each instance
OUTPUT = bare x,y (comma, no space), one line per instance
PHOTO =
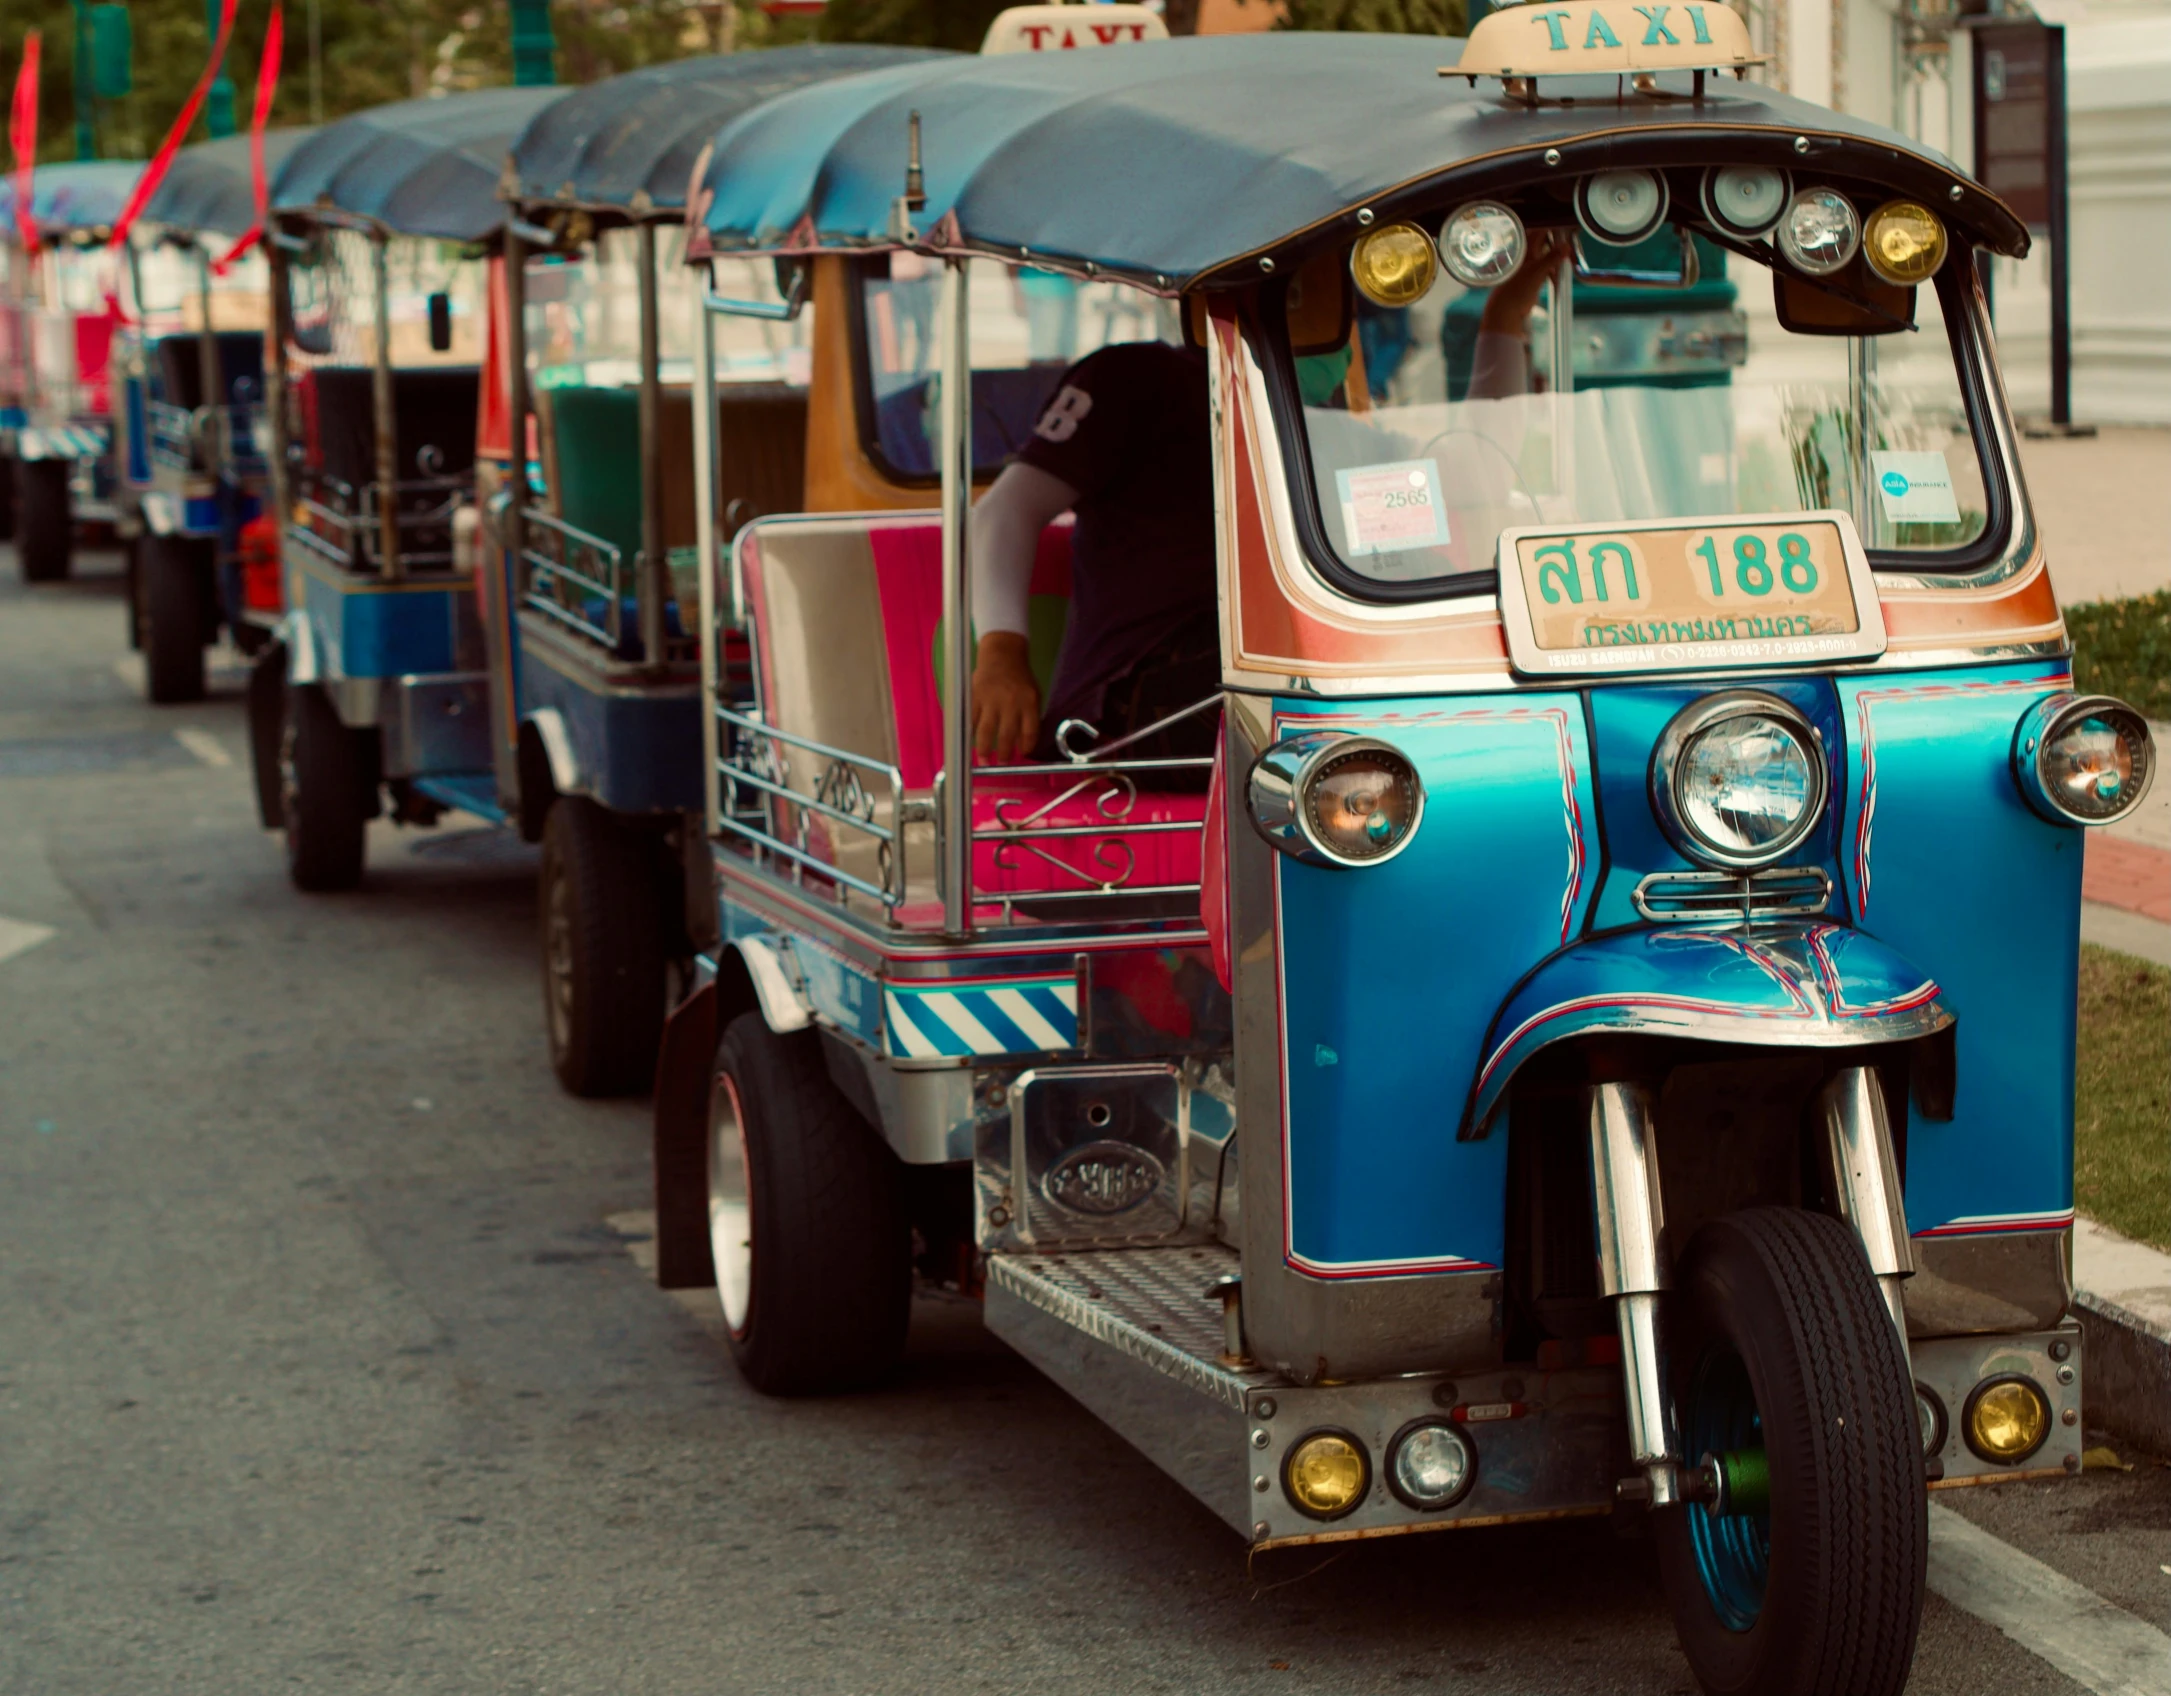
2100,1647
19,936
205,746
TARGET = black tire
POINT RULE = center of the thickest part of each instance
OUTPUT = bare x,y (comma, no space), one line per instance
44,527
174,570
603,953
7,500
327,782
825,1247
1786,1299
267,726
132,580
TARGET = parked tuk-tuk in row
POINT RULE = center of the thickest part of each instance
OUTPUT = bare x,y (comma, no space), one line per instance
61,307
1602,1039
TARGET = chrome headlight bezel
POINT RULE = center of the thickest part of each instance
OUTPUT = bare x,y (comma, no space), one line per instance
1701,718
2041,726
1279,791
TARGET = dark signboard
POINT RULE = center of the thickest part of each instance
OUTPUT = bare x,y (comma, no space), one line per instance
2019,93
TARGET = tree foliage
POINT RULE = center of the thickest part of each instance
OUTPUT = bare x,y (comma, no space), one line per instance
957,24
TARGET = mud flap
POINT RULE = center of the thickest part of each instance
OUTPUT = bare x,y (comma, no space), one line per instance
681,1143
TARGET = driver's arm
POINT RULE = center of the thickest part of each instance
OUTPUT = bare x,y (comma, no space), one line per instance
1006,527
1501,359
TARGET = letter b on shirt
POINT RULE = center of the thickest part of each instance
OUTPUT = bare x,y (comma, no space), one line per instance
1065,413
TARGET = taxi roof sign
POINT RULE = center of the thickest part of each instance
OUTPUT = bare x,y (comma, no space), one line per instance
1581,37
1066,29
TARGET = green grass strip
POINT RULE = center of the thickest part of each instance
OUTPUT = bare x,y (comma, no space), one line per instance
2122,1117
2123,648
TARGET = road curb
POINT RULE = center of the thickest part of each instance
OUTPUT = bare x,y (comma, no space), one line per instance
2126,1387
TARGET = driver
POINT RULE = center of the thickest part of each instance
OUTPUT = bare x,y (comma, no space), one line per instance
1126,446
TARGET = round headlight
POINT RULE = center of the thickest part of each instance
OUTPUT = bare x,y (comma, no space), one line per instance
1334,799
1929,1420
1621,208
1327,1475
2083,759
1430,1465
1744,200
1819,232
1394,266
1904,242
2007,1419
1738,779
1482,244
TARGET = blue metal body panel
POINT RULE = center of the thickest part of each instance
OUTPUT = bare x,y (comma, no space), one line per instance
1391,974
384,630
136,399
637,748
464,792
1951,867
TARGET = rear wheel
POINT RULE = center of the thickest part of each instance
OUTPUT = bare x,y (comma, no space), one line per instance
44,530
174,573
807,1220
327,783
603,953
1809,1580
7,500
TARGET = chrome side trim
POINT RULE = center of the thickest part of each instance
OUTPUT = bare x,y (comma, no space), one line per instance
1710,897
304,663
783,1008
550,729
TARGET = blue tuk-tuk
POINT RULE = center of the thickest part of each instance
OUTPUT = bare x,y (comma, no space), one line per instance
595,653
62,305
1603,1043
190,436
378,685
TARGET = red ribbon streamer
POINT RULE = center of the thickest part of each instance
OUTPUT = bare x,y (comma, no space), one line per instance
155,172
23,132
267,85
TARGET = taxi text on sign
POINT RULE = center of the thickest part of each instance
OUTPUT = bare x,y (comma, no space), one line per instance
1606,36
1058,29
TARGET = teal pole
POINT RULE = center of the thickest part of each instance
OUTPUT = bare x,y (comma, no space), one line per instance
86,87
219,102
535,45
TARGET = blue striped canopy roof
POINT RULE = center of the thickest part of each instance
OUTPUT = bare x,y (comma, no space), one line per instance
75,196
1172,161
211,187
415,167
628,144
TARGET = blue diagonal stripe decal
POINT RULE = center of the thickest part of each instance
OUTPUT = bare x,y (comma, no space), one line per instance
1000,1026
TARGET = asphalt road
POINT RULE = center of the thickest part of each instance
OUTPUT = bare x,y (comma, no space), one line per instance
324,1368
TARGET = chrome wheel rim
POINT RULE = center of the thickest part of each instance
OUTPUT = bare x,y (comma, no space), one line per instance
731,1211
558,957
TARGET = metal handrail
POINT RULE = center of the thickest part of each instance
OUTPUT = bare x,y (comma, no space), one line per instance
346,530
541,574
768,774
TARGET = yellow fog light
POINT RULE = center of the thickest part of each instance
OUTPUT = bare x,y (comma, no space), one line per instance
1904,242
2007,1419
1394,266
1327,1474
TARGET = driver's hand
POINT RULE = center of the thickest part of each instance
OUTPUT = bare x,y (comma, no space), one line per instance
1508,306
1005,699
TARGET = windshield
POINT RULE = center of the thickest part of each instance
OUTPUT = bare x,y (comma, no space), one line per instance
1437,428
1028,327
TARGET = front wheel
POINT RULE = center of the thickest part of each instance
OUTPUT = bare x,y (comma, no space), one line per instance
173,585
327,784
603,965
807,1219
1808,1578
44,528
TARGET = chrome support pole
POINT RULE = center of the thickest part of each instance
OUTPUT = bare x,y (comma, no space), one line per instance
275,372
207,338
707,478
655,574
1861,375
956,791
1560,323
1632,1270
387,419
504,566
1865,1180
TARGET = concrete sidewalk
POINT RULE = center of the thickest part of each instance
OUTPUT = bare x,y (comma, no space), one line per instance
2104,504
2122,1296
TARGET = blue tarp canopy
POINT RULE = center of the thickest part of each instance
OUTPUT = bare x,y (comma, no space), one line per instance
211,187
628,145
415,167
1183,161
79,196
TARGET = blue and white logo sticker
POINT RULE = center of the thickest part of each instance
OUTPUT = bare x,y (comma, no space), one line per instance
1916,488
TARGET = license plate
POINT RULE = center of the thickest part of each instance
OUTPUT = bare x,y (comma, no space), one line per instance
1606,599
